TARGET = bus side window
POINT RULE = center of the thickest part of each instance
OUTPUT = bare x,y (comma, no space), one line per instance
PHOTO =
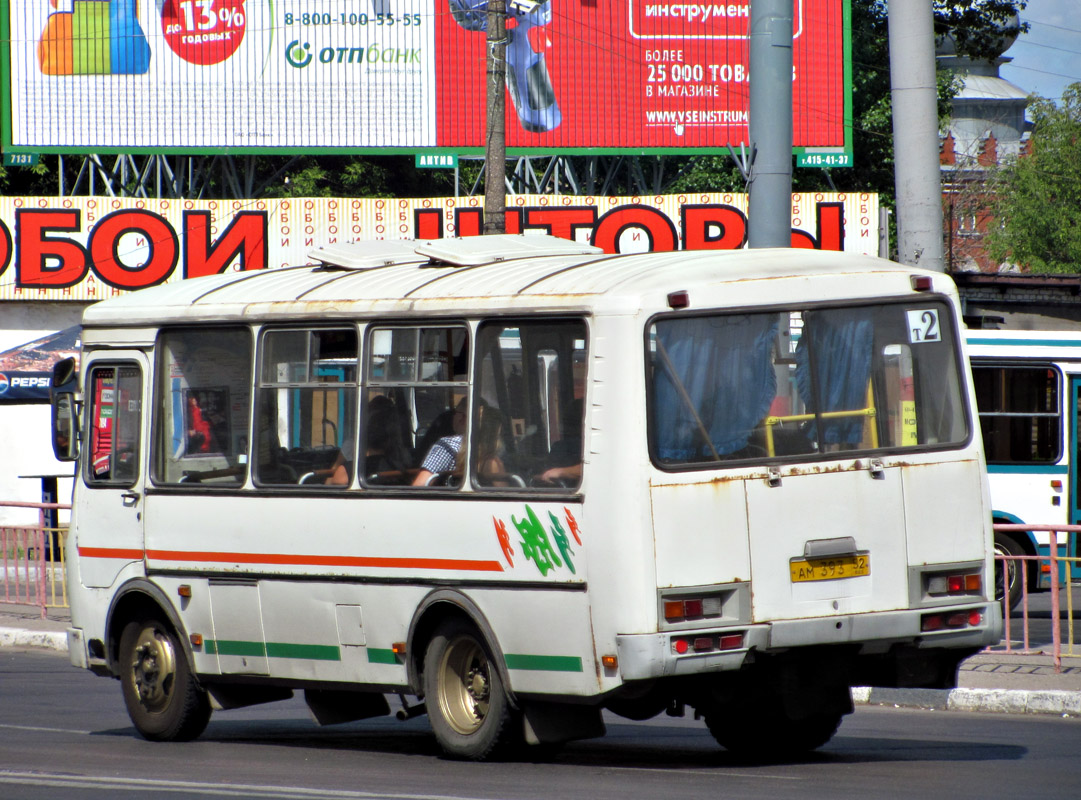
1019,412
307,407
528,415
203,397
114,424
416,388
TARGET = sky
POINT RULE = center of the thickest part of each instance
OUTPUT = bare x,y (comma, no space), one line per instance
1048,57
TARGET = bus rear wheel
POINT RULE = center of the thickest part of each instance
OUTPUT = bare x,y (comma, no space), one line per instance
467,705
769,734
162,697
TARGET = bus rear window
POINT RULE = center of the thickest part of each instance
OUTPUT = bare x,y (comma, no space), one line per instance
803,383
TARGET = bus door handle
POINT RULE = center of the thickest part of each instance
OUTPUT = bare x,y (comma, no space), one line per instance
130,499
878,472
773,477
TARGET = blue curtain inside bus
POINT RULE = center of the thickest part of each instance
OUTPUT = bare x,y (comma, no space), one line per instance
833,365
723,364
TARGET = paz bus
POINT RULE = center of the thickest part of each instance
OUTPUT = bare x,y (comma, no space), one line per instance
731,482
1028,388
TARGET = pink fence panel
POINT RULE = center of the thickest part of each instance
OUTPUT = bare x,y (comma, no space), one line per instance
1054,560
29,576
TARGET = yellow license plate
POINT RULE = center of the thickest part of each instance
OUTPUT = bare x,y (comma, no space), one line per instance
830,569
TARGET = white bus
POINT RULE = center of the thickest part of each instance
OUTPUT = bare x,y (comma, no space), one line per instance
741,482
1028,386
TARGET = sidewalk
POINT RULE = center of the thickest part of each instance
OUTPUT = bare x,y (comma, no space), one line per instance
994,681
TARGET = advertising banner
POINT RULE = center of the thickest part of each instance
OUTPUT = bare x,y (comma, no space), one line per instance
402,75
91,248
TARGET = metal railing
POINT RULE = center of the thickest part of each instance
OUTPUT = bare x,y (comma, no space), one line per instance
1055,563
32,558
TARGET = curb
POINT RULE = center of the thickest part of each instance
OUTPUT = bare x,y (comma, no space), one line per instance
1002,701
18,637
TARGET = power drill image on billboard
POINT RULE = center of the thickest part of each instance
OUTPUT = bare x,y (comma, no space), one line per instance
528,81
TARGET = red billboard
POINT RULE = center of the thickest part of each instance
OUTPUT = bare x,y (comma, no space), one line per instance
641,74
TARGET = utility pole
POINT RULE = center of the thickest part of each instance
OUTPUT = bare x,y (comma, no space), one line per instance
495,145
769,181
915,134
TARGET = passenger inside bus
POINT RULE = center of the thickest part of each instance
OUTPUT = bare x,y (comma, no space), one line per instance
443,455
566,453
386,459
489,463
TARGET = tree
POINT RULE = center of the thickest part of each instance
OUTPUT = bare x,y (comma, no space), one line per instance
1037,197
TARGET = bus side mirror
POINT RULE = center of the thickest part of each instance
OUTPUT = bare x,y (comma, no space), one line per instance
65,376
65,417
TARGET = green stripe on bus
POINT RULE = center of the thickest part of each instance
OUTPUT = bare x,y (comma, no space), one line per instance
311,652
379,655
545,663
230,647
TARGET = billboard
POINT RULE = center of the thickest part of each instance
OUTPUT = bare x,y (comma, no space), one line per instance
92,248
190,76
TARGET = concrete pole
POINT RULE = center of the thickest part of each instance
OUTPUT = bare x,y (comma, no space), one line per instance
769,181
495,145
915,134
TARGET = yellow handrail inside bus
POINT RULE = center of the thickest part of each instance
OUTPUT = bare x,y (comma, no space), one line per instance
868,412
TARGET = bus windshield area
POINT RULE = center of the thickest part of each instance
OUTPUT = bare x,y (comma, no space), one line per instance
804,383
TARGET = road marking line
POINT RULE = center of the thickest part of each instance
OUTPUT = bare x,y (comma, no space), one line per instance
213,789
46,730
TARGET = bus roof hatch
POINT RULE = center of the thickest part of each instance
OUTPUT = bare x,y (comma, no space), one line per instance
473,251
368,254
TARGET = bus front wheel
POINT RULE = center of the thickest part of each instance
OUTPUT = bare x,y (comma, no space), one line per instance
162,697
467,706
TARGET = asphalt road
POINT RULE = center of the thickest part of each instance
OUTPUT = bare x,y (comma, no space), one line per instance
64,734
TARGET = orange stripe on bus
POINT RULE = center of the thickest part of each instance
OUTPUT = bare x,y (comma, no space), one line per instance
327,561
111,552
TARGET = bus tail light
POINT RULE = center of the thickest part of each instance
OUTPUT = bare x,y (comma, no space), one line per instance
956,584
707,644
677,300
951,620
731,641
692,608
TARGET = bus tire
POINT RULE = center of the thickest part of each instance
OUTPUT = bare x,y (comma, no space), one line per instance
162,697
1008,584
768,734
467,705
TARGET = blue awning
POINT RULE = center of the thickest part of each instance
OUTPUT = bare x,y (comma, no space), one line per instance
26,370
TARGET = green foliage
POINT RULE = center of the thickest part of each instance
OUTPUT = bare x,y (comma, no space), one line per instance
1037,197
39,179
706,174
979,28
